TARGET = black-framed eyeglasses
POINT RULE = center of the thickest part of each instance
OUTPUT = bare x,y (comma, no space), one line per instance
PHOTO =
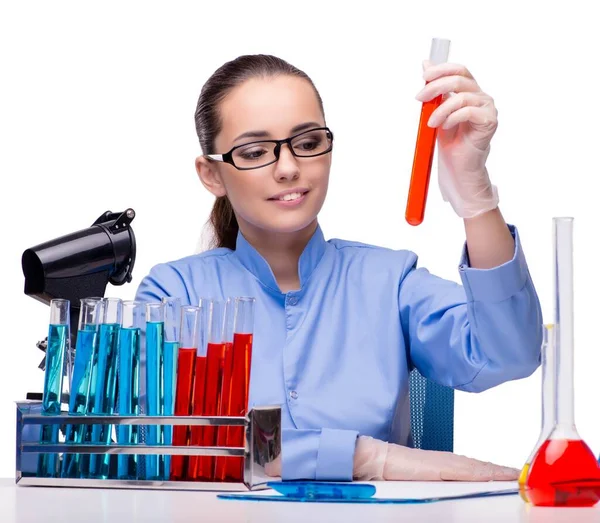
253,155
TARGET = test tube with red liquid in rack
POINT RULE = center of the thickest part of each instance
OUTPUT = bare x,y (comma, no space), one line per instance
202,467
224,407
189,339
243,331
425,146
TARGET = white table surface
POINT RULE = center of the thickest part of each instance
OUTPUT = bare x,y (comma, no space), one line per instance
20,504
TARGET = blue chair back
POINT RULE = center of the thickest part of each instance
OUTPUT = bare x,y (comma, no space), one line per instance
431,414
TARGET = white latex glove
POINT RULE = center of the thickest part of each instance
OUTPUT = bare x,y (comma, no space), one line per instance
466,121
273,468
378,460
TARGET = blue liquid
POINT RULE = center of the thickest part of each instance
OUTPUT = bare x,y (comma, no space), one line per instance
154,395
104,397
128,402
91,400
58,336
78,402
171,349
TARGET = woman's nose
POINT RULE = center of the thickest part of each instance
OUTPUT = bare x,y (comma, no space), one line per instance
286,168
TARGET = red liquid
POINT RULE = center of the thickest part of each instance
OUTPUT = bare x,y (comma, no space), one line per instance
564,473
204,469
197,410
224,409
183,406
242,357
421,171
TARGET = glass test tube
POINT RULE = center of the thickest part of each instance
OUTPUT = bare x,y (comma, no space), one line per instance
105,383
243,329
225,397
128,375
90,315
189,339
199,387
564,472
202,468
171,348
56,353
425,146
155,324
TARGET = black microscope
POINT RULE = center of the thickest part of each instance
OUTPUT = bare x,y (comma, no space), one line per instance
80,265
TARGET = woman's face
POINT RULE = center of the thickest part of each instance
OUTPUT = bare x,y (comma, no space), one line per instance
271,109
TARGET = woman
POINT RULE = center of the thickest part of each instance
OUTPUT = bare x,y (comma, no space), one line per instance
338,324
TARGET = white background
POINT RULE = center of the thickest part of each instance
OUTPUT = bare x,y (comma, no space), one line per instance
96,113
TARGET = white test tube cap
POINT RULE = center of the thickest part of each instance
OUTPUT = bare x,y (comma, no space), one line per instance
440,49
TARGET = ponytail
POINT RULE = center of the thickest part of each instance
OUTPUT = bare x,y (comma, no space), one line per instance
224,223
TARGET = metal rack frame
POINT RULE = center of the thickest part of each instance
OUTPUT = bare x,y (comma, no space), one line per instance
262,445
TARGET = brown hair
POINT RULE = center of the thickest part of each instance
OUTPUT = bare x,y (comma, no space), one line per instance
208,123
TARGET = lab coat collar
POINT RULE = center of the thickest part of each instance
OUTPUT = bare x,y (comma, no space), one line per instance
258,266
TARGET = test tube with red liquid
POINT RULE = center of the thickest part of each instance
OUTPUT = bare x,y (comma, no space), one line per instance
225,396
189,340
424,149
202,468
243,330
564,472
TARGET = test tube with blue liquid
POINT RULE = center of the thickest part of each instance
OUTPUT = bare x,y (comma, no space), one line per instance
128,375
105,382
90,315
56,369
155,328
171,349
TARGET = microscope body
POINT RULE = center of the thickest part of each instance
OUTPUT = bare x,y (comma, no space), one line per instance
81,264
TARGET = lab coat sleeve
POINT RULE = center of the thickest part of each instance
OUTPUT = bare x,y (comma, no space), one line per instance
476,335
318,454
163,281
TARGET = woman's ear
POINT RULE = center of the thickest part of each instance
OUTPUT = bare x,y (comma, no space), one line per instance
209,175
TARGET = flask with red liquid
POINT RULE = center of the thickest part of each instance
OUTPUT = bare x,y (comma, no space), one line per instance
189,340
425,146
564,471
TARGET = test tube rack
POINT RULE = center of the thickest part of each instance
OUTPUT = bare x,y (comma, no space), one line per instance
262,445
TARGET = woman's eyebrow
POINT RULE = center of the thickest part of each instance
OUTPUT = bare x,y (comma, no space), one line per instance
304,126
252,134
265,134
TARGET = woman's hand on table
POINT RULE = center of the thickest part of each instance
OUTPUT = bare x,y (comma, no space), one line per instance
378,460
